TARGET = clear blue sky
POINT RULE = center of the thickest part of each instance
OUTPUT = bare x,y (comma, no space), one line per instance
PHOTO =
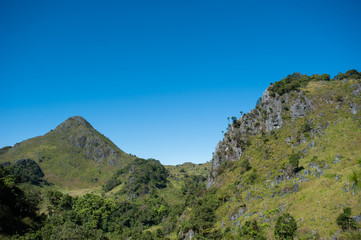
160,78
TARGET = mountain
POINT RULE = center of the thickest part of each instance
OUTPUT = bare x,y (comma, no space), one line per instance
297,152
288,169
74,154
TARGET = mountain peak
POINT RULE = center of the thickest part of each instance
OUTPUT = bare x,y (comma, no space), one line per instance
77,120
72,123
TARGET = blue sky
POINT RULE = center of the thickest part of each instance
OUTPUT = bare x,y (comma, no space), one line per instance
160,78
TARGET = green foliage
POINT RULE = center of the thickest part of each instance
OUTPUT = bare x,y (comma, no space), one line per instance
26,170
355,179
286,227
193,187
306,126
203,217
245,165
353,73
294,160
140,177
251,230
111,183
70,155
295,81
345,221
16,205
94,216
252,177
290,83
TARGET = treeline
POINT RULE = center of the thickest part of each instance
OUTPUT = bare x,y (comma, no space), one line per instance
94,217
296,80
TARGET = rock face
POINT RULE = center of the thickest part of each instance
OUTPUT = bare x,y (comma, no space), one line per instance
266,117
83,136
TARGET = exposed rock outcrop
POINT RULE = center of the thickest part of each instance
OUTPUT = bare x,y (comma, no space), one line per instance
266,117
83,136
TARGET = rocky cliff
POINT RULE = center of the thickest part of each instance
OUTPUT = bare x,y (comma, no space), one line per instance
268,116
272,111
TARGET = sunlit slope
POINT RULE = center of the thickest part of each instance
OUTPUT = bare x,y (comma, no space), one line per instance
327,140
74,154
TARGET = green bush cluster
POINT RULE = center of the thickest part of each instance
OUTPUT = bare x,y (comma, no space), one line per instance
294,160
296,80
345,221
286,227
251,230
26,170
99,218
140,177
353,73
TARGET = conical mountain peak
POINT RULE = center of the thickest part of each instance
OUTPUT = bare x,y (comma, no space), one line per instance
73,122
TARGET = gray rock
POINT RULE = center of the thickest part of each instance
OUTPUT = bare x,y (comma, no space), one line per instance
327,166
337,178
357,90
304,151
353,108
307,172
295,188
337,160
189,234
312,165
319,170
311,145
268,111
357,218
242,211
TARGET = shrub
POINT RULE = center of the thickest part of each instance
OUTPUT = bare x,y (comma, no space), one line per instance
245,165
294,160
345,221
252,177
251,230
286,227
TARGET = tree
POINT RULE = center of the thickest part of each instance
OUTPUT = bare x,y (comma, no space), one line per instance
294,160
251,230
345,221
286,227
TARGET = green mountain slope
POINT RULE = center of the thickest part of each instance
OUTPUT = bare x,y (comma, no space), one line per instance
74,154
293,163
293,153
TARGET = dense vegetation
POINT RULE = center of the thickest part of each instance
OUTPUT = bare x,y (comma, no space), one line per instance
140,177
18,208
26,170
296,81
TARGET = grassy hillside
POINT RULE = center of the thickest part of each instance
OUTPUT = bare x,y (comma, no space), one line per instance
328,140
73,155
